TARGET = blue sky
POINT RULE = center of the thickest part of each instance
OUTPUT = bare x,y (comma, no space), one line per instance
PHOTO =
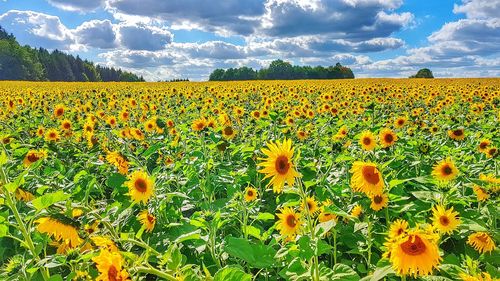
189,38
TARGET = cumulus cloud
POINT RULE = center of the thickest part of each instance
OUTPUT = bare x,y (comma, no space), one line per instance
37,29
233,16
96,33
478,8
77,5
144,37
342,19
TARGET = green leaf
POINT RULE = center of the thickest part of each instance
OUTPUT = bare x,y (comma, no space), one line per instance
56,277
116,180
256,255
195,235
379,273
3,158
48,199
265,217
4,230
232,273
152,149
343,272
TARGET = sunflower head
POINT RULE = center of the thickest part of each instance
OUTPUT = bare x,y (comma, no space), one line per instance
445,220
414,253
140,186
379,201
445,170
147,220
481,241
289,223
278,165
457,134
250,194
387,138
366,178
310,205
367,140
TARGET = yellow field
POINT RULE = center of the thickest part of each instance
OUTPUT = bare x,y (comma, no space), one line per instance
359,179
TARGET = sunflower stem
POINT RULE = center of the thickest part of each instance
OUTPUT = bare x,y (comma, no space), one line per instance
311,229
9,201
154,271
334,246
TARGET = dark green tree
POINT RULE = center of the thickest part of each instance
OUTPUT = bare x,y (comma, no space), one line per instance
423,73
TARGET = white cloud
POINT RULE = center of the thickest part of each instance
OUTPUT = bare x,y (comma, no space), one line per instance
477,9
77,5
37,29
96,33
143,37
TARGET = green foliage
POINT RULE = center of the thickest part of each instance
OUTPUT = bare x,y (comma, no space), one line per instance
25,63
423,73
281,70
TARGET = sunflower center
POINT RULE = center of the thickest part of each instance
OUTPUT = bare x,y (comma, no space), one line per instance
371,175
112,273
228,131
388,138
250,193
447,170
141,185
444,220
291,221
367,141
282,165
483,145
458,133
400,231
309,206
59,112
401,122
33,157
483,238
52,135
377,199
414,246
151,219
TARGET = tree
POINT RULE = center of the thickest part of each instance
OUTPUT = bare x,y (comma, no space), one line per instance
423,73
26,63
282,70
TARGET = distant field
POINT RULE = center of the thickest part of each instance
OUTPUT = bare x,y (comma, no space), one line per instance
359,179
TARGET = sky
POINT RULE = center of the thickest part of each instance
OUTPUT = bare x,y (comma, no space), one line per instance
168,39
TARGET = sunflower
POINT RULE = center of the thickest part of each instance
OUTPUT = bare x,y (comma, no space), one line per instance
387,137
228,132
492,152
116,159
366,178
325,216
356,211
481,193
104,242
289,223
457,134
481,241
483,145
367,140
24,195
66,125
342,133
445,170
140,186
110,265
59,230
59,110
379,201
302,134
415,254
278,165
250,194
400,122
33,156
199,124
148,220
52,135
312,205
445,220
40,131
398,228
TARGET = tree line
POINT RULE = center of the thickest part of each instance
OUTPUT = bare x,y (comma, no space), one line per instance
26,63
281,70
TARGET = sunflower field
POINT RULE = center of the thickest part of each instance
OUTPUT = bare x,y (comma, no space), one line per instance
366,179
